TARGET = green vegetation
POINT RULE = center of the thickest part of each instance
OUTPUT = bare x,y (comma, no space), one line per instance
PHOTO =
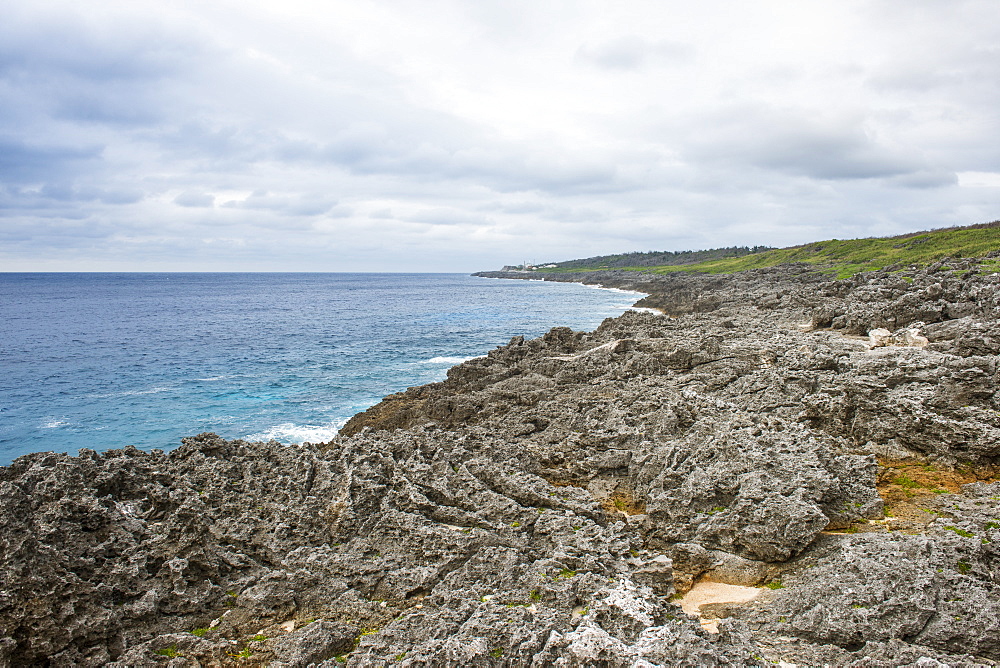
169,652
960,532
260,637
496,653
655,258
775,584
199,632
841,257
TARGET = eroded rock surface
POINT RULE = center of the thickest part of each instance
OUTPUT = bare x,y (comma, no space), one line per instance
546,503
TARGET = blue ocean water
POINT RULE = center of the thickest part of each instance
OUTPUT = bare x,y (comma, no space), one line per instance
104,360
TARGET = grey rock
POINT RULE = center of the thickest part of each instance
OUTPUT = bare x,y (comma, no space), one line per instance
314,643
540,505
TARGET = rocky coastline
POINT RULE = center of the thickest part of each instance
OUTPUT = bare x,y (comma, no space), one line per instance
830,447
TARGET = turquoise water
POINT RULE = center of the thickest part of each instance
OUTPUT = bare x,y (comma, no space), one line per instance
104,360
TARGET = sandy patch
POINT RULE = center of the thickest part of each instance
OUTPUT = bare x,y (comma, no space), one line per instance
706,592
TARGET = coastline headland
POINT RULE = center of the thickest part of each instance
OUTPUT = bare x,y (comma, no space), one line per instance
807,466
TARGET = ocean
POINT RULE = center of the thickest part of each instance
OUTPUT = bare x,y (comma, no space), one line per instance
105,360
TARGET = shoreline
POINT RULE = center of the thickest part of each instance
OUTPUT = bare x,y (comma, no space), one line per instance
85,380
549,501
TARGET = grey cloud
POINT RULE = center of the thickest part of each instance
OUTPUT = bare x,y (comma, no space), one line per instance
916,79
21,162
796,143
116,195
631,52
442,216
64,192
65,66
194,199
924,179
224,146
340,212
374,149
515,207
139,49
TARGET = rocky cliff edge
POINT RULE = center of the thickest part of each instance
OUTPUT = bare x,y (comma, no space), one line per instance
832,445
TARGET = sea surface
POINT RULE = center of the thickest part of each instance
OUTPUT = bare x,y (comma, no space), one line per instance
105,360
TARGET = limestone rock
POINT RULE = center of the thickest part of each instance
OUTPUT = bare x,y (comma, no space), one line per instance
540,505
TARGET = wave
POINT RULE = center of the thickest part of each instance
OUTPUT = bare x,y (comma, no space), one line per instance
298,433
131,393
450,360
620,291
52,423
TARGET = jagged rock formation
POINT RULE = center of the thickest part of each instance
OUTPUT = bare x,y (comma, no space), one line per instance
547,503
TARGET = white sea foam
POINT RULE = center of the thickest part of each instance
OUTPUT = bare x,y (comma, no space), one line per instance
131,393
597,286
617,290
298,433
450,360
52,423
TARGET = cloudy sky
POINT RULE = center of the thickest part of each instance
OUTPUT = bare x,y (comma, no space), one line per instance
456,135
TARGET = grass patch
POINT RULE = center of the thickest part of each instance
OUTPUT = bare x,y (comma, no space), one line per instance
624,502
906,482
169,652
842,258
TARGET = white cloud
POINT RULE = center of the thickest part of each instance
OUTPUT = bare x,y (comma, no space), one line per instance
979,179
415,135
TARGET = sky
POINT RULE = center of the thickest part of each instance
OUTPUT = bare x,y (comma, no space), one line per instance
459,135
